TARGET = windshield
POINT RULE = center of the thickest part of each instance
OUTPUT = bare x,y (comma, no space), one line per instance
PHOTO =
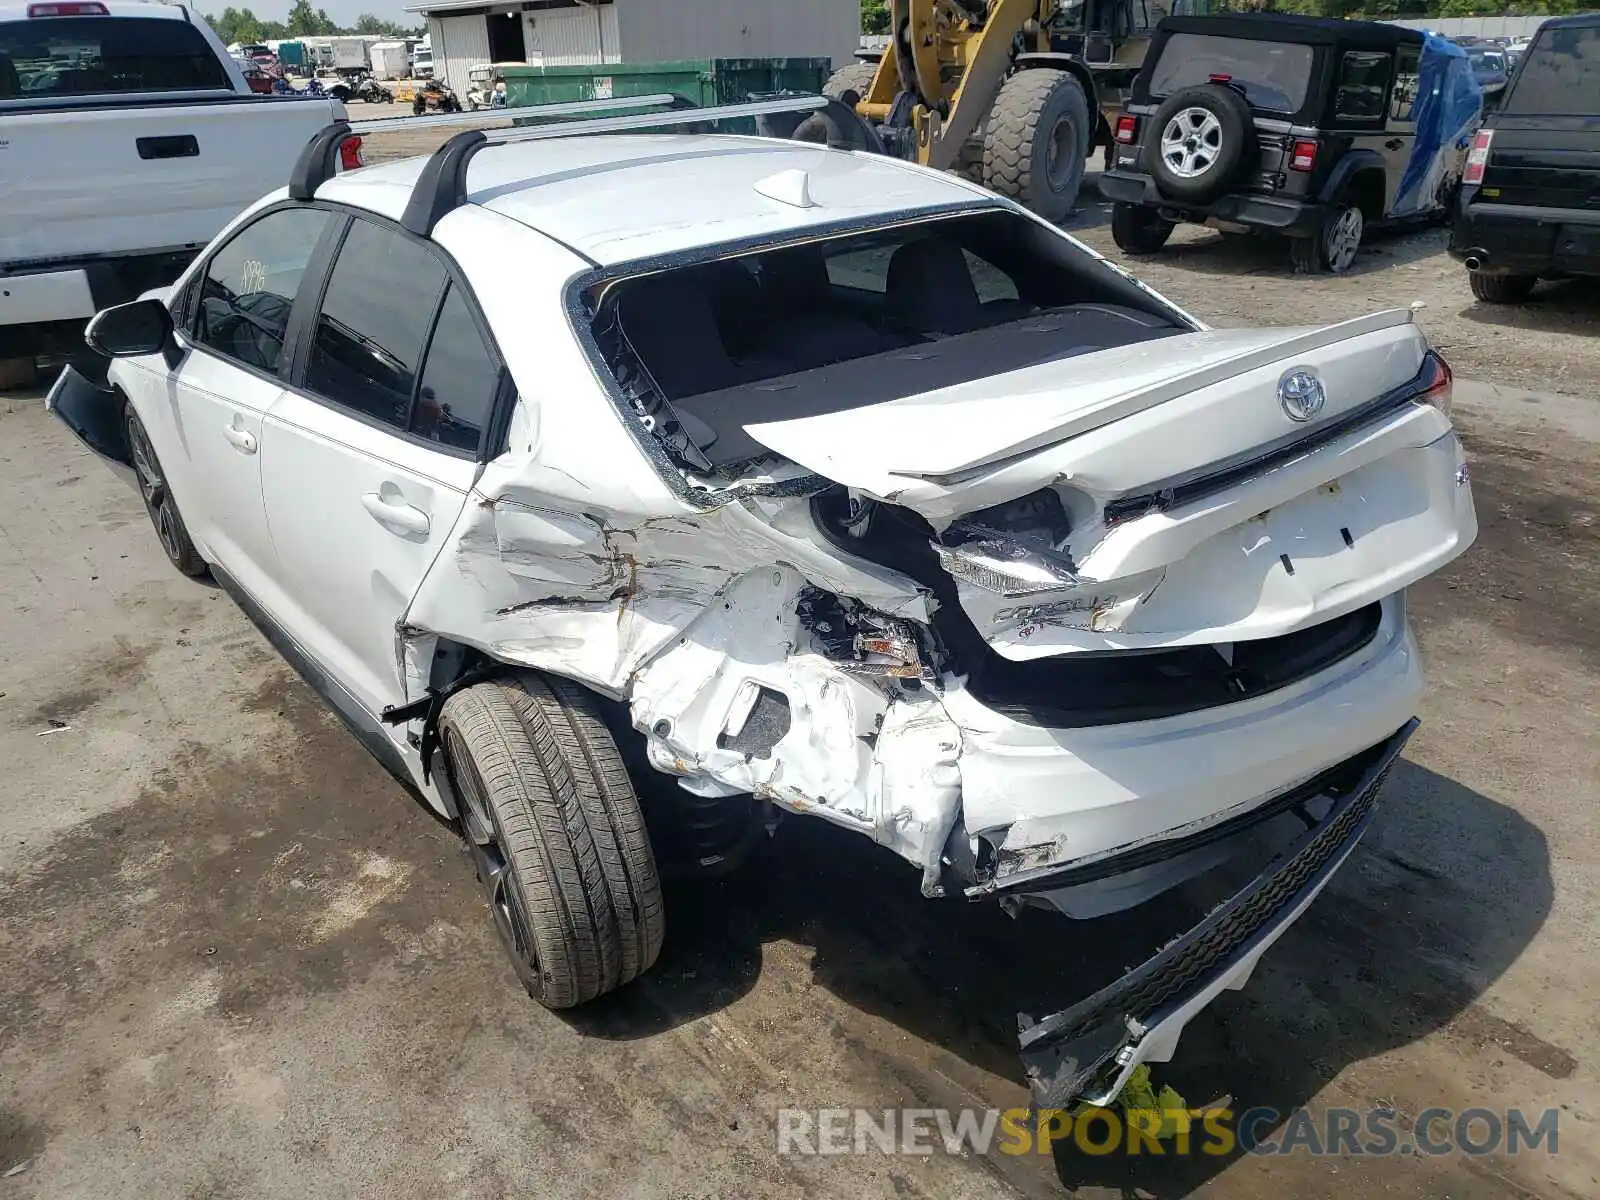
88,56
1272,75
856,320
1561,76
1487,62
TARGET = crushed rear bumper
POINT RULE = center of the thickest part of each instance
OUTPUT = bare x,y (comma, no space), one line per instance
1088,1050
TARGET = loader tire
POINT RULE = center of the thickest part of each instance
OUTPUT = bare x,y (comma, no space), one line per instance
857,78
555,834
1036,141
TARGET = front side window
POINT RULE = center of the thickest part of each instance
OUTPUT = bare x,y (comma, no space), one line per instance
1561,76
249,286
1272,75
373,325
1363,81
47,57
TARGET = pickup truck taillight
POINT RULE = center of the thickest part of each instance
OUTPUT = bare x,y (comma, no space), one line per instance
1303,154
1127,129
69,8
1478,156
350,154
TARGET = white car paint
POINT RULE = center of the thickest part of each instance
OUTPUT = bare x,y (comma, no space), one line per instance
76,191
577,551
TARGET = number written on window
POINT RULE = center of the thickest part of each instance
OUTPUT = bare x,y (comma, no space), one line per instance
459,380
250,284
374,322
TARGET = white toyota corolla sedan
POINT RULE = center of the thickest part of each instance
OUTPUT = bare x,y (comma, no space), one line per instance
619,490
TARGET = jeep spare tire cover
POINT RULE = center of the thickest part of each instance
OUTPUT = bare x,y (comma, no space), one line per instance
1197,141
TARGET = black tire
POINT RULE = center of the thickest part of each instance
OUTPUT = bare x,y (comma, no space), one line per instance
1325,251
171,532
1501,289
1138,230
553,829
1036,141
418,107
857,78
1210,162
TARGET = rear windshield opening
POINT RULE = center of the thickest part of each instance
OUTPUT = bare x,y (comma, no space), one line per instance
1272,75
846,322
46,57
1561,76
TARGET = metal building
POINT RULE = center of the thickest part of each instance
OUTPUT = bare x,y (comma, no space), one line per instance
577,32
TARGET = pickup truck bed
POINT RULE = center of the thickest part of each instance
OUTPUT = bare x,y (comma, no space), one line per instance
126,178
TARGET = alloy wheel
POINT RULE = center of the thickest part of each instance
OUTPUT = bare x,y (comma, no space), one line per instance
153,489
1343,239
1191,142
491,860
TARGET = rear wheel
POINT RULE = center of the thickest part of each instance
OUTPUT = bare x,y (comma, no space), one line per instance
1138,230
1332,248
158,502
556,836
1036,141
1501,289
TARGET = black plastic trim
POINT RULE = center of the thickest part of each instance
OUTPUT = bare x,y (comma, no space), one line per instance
319,161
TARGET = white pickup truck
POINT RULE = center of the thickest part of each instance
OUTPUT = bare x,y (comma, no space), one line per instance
128,138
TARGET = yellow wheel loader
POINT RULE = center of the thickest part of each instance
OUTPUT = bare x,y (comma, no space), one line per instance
1011,93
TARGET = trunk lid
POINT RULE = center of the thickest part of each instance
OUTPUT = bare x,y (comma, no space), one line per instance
1162,494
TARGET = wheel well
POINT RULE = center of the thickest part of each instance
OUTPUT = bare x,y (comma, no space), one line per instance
1366,188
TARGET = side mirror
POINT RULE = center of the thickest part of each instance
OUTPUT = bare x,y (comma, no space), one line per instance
128,330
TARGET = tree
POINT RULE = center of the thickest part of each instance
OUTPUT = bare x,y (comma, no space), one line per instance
874,16
305,21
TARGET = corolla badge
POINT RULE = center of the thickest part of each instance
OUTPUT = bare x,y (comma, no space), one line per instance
1301,395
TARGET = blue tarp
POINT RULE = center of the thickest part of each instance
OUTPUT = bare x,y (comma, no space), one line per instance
1446,111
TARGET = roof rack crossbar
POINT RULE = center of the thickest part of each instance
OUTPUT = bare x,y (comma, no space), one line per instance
564,108
319,161
442,186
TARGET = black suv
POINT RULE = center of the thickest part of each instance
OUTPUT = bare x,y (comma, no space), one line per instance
1302,126
1530,201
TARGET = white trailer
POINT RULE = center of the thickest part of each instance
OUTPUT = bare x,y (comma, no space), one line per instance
390,60
350,54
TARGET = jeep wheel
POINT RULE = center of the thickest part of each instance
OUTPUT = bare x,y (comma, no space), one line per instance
1200,137
158,502
1501,289
1138,230
1332,248
555,833
1036,141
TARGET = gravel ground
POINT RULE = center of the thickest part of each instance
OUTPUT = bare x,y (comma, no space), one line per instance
236,961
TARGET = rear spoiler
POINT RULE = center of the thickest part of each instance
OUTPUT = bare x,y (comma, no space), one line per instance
442,186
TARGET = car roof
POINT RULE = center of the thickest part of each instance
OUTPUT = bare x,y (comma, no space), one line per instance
1289,27
617,198
1589,18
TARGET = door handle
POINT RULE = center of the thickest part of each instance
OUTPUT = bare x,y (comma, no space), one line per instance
396,512
242,439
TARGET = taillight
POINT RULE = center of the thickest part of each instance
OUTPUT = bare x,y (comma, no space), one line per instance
1127,129
69,8
1303,155
1438,383
1478,156
350,154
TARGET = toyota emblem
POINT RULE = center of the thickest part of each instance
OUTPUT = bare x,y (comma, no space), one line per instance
1301,395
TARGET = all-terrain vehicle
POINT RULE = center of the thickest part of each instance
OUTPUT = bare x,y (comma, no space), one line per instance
433,97
1314,128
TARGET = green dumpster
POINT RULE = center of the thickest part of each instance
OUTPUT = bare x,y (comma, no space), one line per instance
703,82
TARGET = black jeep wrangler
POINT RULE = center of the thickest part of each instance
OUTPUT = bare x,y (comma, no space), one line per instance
1301,126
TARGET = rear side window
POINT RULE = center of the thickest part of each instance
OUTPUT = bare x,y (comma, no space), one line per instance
1363,81
459,380
1272,75
250,283
1561,76
374,322
46,57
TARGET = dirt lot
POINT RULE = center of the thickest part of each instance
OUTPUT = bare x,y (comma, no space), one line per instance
236,961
